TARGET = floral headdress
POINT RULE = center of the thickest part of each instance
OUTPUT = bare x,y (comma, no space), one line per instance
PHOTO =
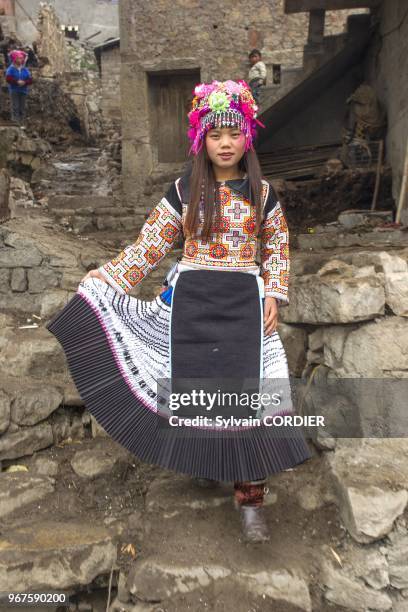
222,104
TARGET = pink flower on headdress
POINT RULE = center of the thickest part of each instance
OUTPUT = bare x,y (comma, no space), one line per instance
232,87
194,117
204,89
244,84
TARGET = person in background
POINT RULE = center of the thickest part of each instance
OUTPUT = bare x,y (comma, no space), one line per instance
18,78
31,57
257,73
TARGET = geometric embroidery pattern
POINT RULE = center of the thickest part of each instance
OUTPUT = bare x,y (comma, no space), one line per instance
158,235
275,254
232,244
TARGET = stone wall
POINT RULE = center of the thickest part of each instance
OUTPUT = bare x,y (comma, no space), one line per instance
72,66
154,39
21,153
387,71
51,42
91,16
83,84
110,74
37,395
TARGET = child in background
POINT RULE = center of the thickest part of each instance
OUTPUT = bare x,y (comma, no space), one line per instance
18,78
257,73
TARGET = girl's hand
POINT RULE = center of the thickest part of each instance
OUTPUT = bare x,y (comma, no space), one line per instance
95,274
270,315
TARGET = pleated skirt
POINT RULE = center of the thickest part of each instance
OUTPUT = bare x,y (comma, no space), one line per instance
125,354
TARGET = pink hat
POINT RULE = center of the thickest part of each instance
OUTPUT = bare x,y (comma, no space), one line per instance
15,54
222,104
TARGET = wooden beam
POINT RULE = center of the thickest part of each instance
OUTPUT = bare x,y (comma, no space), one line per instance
302,6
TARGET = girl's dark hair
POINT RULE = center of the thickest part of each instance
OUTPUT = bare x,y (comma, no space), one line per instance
203,188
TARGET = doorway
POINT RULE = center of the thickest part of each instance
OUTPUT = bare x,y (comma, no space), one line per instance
170,95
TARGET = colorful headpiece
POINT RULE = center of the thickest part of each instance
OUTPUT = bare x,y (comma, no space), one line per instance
222,104
18,54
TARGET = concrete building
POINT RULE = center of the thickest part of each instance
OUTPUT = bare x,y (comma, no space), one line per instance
90,16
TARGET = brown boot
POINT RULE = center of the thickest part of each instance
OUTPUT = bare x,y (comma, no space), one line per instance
249,499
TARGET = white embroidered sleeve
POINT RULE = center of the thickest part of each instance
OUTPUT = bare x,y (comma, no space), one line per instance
158,236
275,254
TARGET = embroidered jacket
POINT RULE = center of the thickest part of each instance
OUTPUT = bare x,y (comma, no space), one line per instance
232,245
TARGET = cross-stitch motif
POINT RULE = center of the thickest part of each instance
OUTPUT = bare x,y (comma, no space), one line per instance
232,244
157,237
233,241
275,254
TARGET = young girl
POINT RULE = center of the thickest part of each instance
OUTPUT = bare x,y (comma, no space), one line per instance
211,336
18,78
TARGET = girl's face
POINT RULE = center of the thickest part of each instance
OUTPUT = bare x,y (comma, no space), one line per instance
225,146
18,61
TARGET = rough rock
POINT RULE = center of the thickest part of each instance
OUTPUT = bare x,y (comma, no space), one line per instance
294,341
30,352
369,350
377,342
25,441
96,429
92,463
56,555
278,586
4,411
44,466
315,340
334,298
324,441
18,489
66,424
24,257
366,474
4,194
18,280
311,497
368,564
5,274
398,564
33,404
152,580
53,301
373,511
352,594
40,279
395,270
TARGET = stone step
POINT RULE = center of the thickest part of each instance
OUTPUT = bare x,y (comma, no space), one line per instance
75,202
194,556
48,554
341,239
188,585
